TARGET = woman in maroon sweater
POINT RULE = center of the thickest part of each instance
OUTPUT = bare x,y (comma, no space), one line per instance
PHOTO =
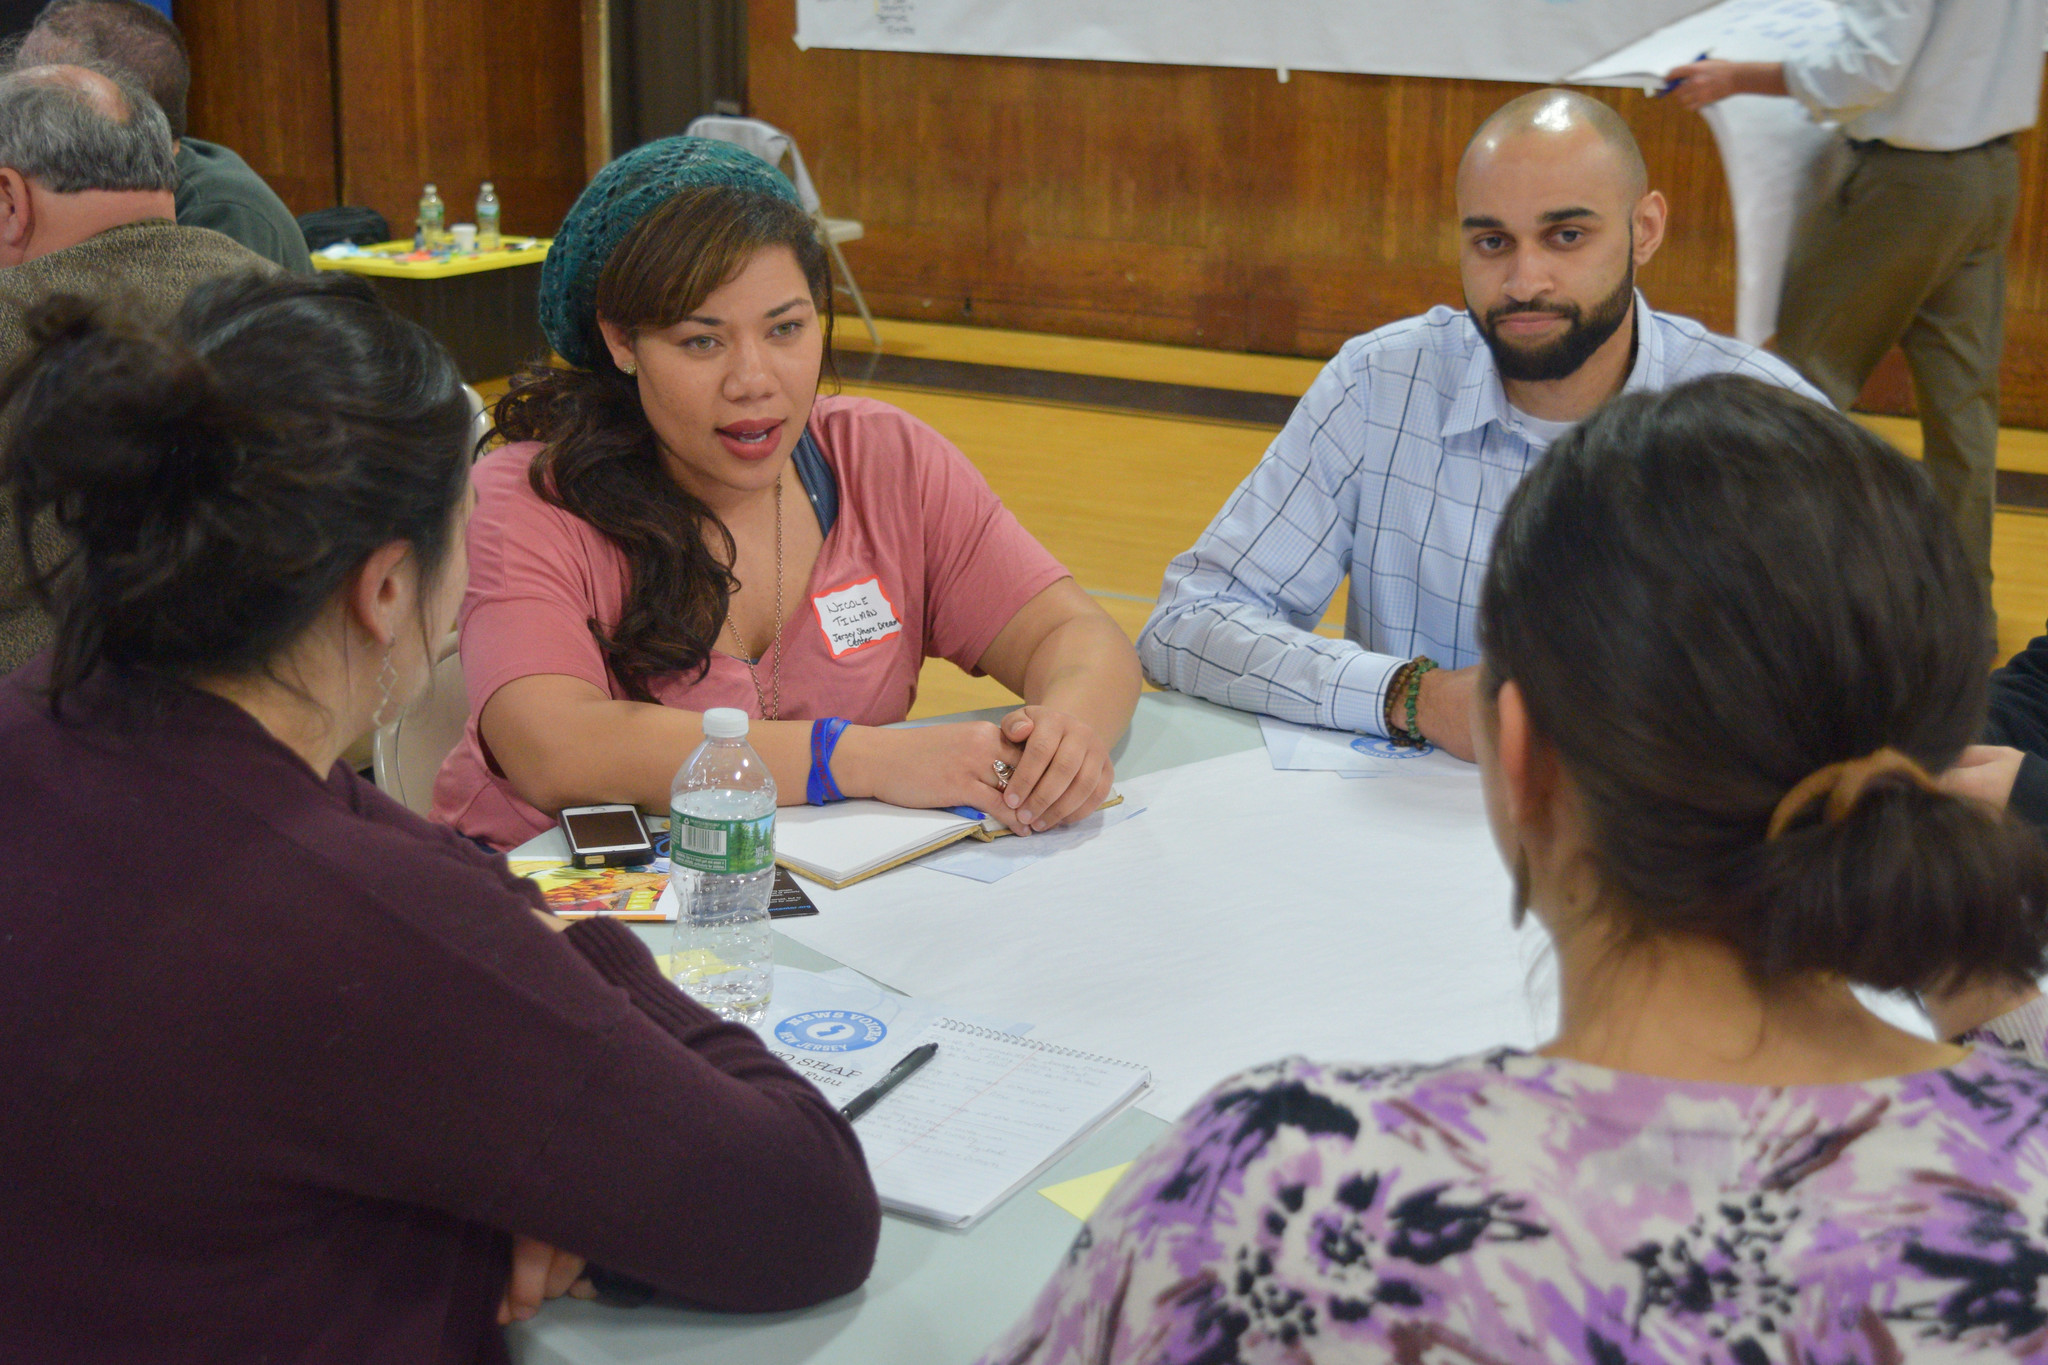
284,1068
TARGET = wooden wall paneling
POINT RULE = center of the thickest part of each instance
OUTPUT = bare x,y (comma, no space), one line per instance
459,93
1221,207
262,84
2027,258
674,60
382,89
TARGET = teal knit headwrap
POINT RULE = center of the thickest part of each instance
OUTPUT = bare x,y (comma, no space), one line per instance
621,195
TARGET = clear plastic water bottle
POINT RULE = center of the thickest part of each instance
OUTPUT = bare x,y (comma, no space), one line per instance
433,213
487,235
721,810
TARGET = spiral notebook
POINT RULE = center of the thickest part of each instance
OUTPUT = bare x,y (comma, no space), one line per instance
986,1116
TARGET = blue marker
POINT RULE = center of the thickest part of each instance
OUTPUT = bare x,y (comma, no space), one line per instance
1672,85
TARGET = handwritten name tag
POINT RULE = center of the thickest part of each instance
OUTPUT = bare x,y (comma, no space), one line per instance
856,616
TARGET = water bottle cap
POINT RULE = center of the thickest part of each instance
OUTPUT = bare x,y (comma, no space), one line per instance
487,187
430,187
725,722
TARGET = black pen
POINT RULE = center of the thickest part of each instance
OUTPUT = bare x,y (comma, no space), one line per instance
899,1073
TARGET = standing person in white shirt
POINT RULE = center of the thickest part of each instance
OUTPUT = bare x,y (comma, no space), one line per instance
1396,464
1909,249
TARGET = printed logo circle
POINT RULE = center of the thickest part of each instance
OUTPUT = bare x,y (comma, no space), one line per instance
831,1031
1386,748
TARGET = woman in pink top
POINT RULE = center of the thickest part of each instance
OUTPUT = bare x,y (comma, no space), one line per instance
681,522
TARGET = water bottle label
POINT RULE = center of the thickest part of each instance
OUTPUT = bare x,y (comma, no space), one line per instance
724,847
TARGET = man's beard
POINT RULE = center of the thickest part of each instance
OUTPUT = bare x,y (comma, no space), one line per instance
1561,356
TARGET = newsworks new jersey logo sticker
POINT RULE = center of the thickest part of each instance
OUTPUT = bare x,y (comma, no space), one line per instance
1373,747
831,1031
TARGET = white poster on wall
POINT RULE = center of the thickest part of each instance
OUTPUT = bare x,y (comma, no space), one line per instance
1503,40
1777,158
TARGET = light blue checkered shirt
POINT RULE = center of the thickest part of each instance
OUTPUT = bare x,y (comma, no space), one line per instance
1393,469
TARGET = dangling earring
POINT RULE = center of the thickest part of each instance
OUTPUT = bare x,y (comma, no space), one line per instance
387,678
1519,910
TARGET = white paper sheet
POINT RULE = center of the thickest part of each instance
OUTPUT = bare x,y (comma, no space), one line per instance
1779,163
871,1028
1777,159
1500,40
997,859
1251,914
989,1112
839,1069
1305,748
1734,30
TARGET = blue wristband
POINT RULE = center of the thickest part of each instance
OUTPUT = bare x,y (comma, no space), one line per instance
821,790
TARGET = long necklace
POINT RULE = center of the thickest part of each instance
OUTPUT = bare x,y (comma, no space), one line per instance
771,701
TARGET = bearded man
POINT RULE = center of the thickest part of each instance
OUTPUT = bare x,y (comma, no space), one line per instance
1397,462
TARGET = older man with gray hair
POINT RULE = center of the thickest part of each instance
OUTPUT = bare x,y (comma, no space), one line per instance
216,188
87,207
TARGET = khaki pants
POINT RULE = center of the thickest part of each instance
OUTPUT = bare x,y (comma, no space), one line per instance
1910,250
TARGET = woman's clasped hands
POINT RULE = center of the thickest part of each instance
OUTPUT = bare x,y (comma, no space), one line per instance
1065,773
1055,768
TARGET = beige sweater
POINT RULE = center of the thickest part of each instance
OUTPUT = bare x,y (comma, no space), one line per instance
151,265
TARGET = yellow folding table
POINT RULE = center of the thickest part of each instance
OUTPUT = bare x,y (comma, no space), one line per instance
484,305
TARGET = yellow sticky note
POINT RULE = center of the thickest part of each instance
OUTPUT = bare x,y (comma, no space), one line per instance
694,965
1082,1194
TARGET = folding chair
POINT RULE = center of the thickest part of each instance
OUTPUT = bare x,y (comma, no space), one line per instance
771,144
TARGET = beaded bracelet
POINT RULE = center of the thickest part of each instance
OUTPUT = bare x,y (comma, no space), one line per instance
1410,684
1395,684
821,790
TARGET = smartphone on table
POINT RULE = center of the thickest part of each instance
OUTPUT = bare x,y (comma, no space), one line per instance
606,836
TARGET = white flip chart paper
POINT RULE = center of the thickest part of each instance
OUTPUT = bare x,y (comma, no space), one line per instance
1777,159
1250,914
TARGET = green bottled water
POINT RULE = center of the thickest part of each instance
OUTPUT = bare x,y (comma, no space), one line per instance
427,233
488,237
722,859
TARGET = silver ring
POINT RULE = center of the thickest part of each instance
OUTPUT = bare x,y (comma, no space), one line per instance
1004,772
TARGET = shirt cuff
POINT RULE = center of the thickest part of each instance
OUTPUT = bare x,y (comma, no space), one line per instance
1359,699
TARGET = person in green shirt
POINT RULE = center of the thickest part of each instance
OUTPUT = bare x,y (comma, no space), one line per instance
216,188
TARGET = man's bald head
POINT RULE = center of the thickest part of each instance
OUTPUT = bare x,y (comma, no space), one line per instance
75,128
1559,123
1555,215
97,91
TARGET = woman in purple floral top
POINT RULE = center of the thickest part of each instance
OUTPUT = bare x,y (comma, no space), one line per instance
1727,635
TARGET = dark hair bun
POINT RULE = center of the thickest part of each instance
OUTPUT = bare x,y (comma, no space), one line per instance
214,482
118,424
1910,888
